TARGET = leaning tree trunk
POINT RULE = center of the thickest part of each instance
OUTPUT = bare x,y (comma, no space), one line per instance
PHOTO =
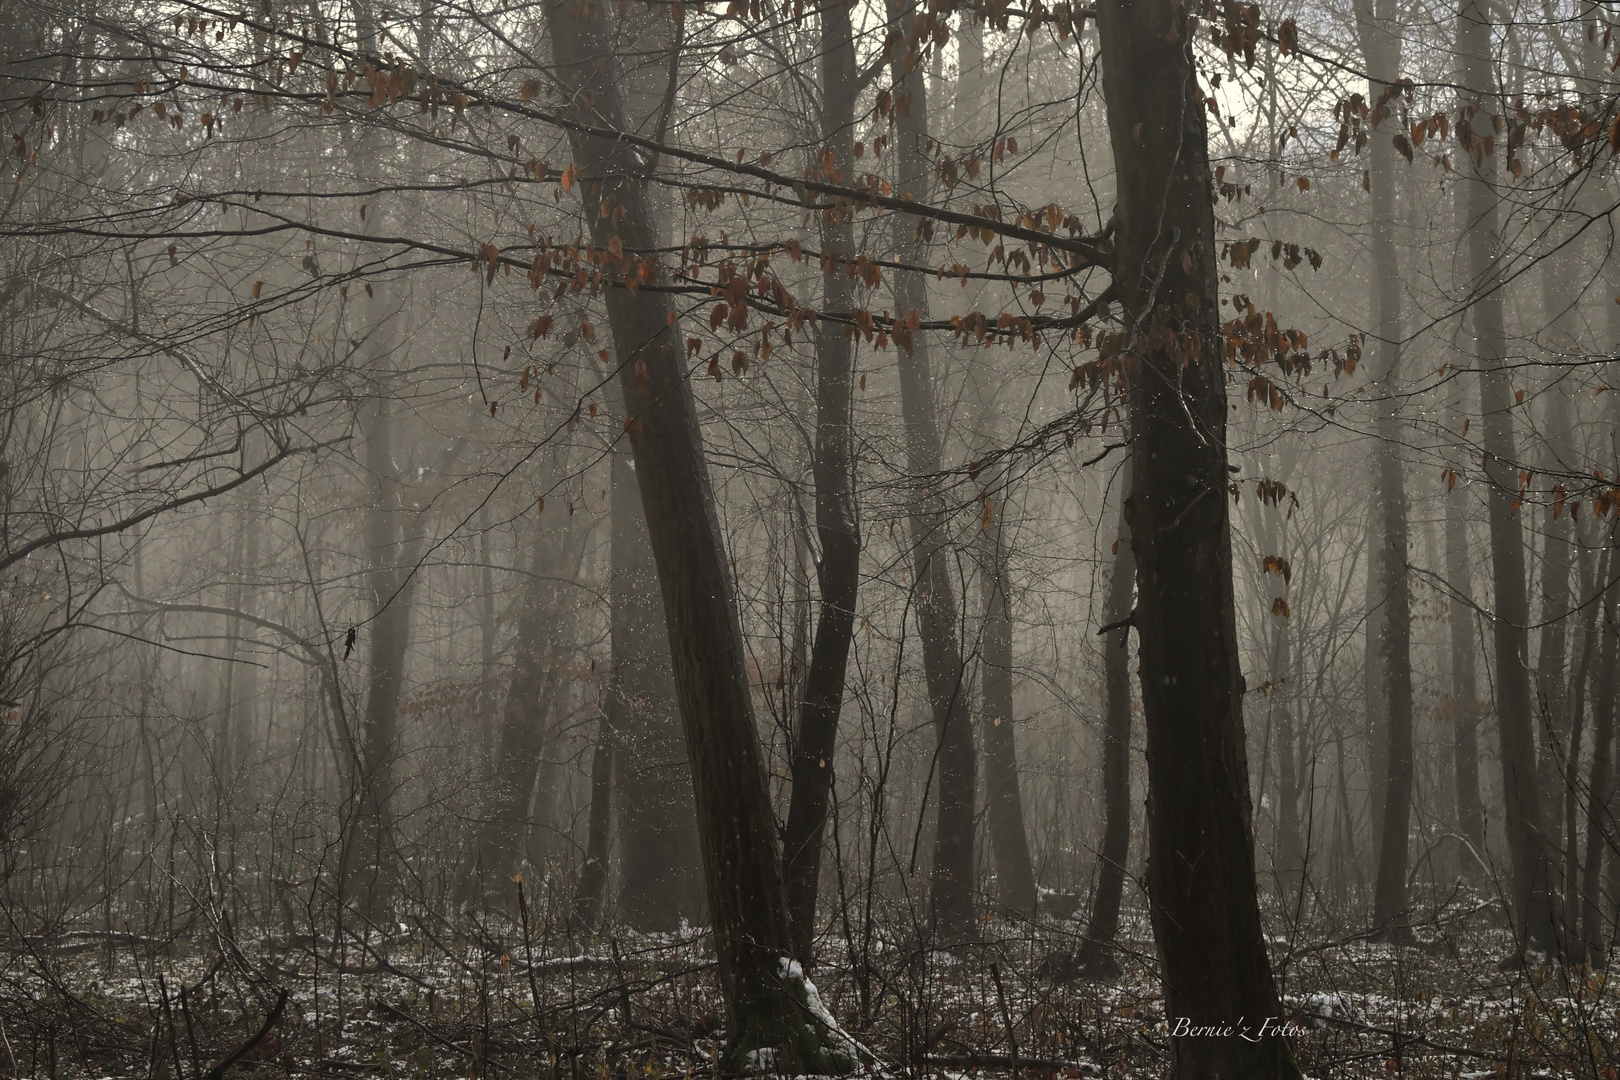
955,767
1381,47
838,571
660,879
1515,724
1206,914
765,993
1096,953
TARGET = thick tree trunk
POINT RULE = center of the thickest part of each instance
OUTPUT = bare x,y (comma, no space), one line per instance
660,876
836,526
1102,927
951,886
1515,712
765,993
1206,915
1380,45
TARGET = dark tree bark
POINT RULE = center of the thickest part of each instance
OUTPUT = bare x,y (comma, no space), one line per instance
1526,834
837,529
1206,916
1096,954
951,885
765,994
1380,44
660,879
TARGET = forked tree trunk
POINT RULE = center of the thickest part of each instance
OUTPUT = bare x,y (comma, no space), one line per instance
1206,915
765,996
1515,712
836,526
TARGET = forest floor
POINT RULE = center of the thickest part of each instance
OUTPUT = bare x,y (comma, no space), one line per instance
486,1000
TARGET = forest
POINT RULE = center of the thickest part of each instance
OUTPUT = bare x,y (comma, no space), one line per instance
569,540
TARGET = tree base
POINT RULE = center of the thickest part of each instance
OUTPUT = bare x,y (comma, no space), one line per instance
786,1030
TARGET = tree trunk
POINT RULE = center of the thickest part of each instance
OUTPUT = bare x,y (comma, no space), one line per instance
1009,843
1102,927
765,993
838,571
1206,915
1598,820
1515,717
951,886
1463,707
1380,45
523,731
391,586
660,879
592,885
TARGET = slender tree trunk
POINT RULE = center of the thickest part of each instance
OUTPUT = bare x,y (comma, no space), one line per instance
1380,44
1595,568
1463,708
523,730
1598,809
660,880
1102,927
391,588
1206,915
836,525
592,885
951,886
1515,715
1009,843
765,994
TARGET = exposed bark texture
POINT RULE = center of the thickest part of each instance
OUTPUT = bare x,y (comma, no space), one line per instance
1102,926
742,872
837,530
951,884
1206,916
1515,711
